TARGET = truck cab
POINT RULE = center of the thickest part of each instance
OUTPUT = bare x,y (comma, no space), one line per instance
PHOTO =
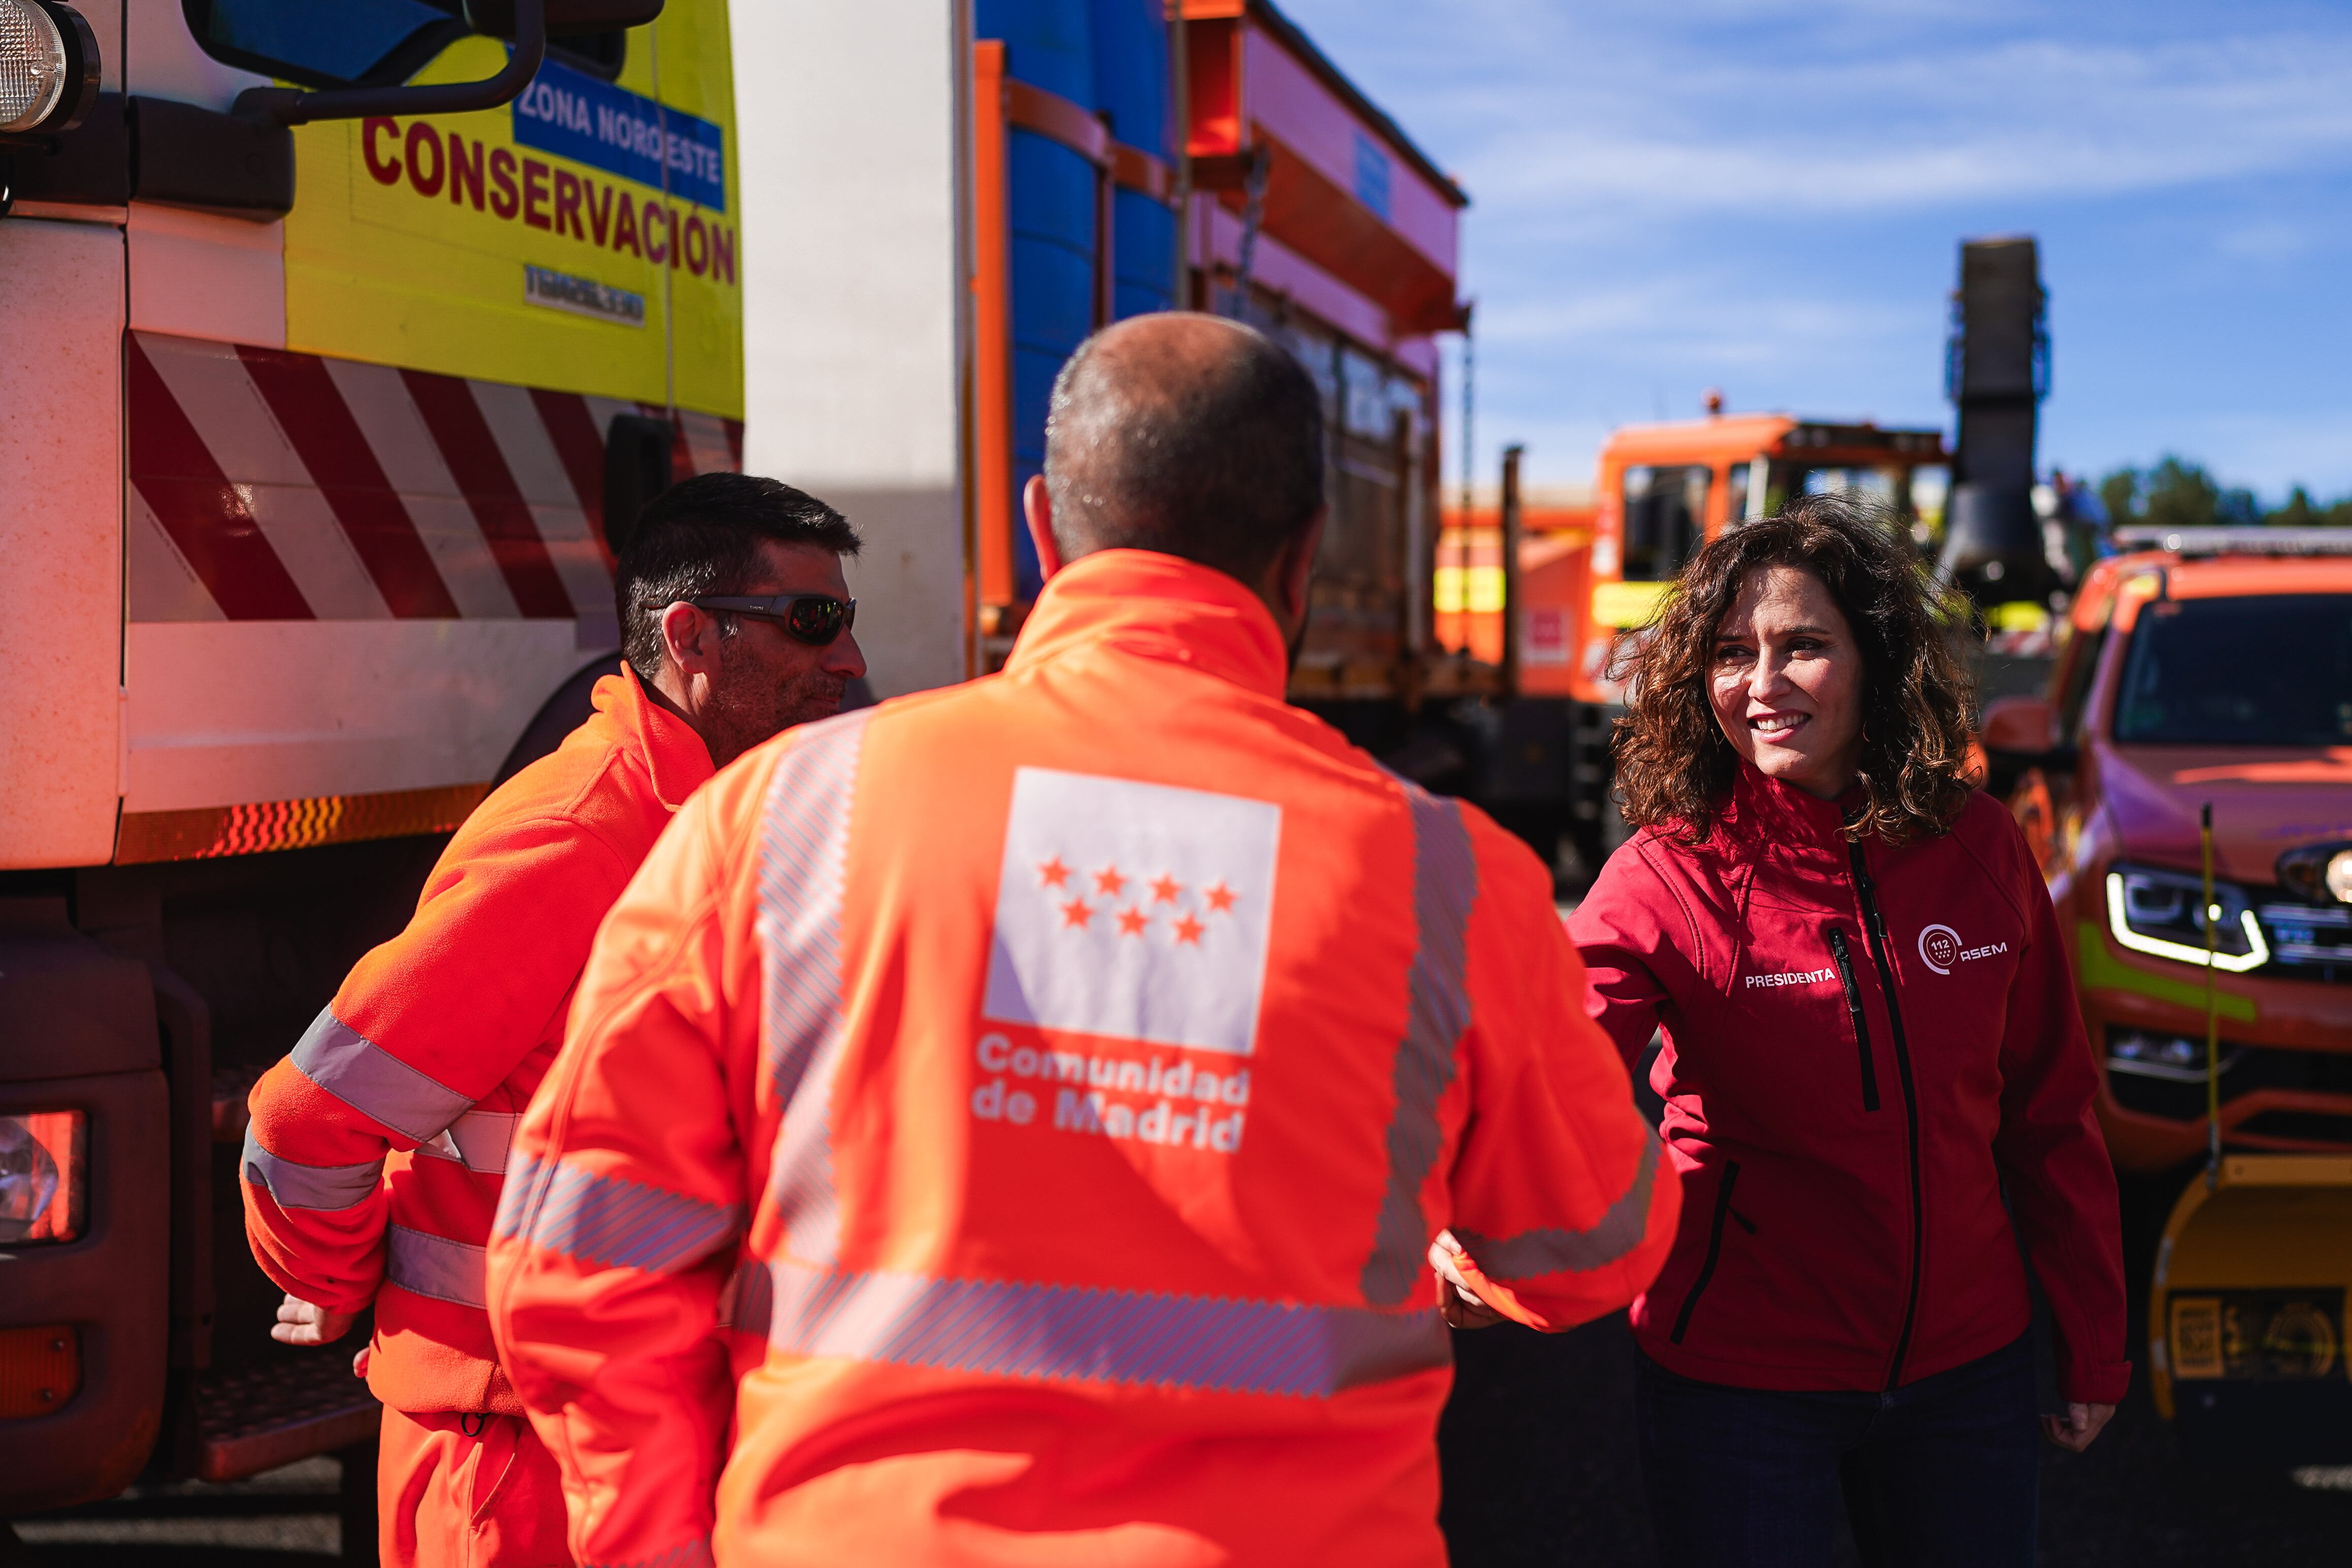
2212,669
1663,490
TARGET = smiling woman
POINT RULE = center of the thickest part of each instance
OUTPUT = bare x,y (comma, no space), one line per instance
1874,1075
1811,646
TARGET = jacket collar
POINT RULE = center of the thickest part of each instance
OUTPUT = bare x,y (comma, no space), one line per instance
1156,607
671,753
1765,809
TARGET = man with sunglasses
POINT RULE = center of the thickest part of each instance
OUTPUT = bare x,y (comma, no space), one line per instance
1080,1064
378,1148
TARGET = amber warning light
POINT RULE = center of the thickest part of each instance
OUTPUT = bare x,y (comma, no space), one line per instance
44,1177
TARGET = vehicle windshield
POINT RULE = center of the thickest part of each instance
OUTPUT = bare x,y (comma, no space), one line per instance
336,43
326,43
2269,670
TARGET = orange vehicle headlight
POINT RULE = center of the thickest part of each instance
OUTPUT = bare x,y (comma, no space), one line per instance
44,1177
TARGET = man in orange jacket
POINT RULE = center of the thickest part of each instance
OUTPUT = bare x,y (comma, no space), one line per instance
377,1149
1072,1068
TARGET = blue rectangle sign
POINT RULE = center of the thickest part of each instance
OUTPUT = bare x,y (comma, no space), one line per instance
1371,175
574,115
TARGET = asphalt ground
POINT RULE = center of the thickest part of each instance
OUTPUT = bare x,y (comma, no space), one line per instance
1539,1470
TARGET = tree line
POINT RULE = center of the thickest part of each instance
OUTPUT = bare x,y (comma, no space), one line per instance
2178,494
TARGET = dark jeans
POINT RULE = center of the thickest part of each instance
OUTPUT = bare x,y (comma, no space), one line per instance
1939,1472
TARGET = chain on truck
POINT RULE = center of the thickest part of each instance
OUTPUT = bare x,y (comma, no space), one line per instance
333,337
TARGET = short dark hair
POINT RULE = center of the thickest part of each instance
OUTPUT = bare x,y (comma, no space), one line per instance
1673,764
1219,461
703,536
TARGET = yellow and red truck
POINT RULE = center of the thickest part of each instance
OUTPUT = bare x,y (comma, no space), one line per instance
338,345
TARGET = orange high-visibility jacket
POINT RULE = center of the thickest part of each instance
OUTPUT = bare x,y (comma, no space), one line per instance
1078,1063
376,1152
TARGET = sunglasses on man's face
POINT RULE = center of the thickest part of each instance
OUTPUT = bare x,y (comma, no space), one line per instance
815,619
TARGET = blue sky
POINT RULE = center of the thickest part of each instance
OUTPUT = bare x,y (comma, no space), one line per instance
1768,196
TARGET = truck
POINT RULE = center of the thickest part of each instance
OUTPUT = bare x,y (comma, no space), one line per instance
342,348
2186,781
340,353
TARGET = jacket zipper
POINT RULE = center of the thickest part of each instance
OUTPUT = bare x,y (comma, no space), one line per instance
1853,1010
1714,1249
1868,893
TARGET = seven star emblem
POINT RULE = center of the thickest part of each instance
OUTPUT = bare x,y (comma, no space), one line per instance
1187,926
1152,924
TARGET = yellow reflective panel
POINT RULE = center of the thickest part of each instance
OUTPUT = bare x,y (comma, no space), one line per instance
1627,604
556,242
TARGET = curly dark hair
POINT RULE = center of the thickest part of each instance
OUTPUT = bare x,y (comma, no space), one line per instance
1673,764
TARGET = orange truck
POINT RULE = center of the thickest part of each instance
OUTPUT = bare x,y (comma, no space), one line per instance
2205,677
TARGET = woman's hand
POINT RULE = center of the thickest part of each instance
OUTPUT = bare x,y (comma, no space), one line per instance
300,1322
1461,1309
2074,1430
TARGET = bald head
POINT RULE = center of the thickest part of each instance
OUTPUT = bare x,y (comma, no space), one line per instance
1185,434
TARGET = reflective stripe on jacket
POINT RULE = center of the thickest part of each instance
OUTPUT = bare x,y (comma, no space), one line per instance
1078,1062
1864,1044
378,1148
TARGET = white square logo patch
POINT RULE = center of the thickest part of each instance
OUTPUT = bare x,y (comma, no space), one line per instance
1135,911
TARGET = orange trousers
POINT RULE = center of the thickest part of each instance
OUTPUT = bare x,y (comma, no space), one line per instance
467,1491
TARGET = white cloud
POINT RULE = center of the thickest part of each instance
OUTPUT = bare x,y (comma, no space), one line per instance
1660,195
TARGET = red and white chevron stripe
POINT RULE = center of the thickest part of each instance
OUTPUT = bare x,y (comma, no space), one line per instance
269,486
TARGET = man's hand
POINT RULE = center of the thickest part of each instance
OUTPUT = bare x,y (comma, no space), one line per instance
1461,1309
300,1323
2074,1430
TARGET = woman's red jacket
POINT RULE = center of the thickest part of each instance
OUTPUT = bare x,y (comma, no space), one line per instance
1866,1046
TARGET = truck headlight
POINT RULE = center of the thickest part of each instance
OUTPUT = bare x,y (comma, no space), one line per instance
43,1175
2158,912
48,66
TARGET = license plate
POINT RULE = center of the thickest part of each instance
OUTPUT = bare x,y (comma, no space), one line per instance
2262,1335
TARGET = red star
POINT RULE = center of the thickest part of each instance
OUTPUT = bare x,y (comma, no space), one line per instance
1131,922
1189,930
1107,881
1165,888
1054,873
1221,898
1076,913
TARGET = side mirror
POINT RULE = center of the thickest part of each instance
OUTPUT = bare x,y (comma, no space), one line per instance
565,18
2023,725
2022,732
291,106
